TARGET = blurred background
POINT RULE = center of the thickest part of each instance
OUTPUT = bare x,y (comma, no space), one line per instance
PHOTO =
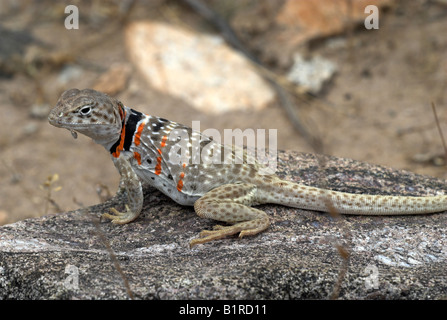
310,69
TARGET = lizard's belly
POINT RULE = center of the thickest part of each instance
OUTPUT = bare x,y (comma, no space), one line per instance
167,186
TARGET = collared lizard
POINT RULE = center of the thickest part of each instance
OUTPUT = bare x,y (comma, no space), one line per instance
159,152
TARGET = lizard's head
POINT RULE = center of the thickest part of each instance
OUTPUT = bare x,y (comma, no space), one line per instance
89,112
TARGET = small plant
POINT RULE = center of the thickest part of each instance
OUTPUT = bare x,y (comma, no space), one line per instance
48,185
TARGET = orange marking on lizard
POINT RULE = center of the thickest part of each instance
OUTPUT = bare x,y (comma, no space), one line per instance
122,112
159,159
120,147
158,166
137,138
163,141
180,182
137,156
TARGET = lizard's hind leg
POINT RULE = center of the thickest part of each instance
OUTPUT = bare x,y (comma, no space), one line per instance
231,203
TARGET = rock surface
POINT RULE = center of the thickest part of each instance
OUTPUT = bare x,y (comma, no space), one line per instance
73,256
311,74
200,69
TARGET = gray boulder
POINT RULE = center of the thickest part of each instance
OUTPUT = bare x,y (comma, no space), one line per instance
303,255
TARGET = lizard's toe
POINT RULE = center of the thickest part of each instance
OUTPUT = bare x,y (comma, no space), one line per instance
120,217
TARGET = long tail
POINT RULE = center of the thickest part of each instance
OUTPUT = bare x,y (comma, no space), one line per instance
305,197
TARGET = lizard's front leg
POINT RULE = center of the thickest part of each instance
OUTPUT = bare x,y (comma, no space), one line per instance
231,203
131,183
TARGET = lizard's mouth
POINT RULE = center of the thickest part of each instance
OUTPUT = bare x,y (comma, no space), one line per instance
57,121
54,120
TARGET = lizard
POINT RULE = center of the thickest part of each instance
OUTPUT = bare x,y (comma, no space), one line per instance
147,149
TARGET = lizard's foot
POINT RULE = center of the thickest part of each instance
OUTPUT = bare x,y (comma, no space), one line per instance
219,232
247,228
121,217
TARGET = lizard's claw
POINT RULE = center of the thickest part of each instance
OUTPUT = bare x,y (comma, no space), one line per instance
121,217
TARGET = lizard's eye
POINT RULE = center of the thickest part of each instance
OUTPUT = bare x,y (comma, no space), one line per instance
85,110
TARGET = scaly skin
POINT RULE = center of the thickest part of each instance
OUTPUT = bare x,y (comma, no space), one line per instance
146,149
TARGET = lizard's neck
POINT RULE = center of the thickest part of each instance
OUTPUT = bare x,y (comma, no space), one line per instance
111,138
107,142
123,140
